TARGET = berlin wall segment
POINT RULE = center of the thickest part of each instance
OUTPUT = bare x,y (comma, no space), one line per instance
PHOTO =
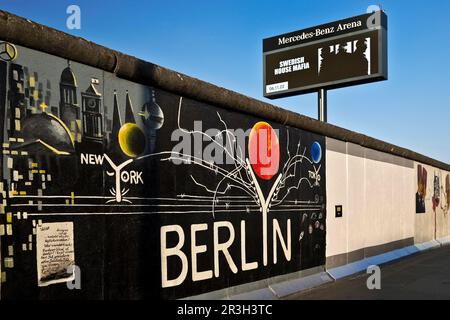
105,174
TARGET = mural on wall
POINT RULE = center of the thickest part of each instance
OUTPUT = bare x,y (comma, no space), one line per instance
148,193
435,200
421,189
440,197
446,193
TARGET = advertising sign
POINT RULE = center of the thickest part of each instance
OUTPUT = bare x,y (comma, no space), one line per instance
338,54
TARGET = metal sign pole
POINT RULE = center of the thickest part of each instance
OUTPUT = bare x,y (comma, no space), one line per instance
322,108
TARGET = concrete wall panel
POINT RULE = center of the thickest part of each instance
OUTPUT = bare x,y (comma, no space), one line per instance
376,190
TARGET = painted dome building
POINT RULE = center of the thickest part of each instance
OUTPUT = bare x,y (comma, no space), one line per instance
46,133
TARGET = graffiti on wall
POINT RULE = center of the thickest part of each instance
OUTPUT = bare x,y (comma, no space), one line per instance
440,197
148,193
421,189
435,200
239,188
445,195
447,192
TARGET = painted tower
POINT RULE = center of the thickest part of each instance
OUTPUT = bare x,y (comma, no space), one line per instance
129,114
113,146
92,141
92,116
68,105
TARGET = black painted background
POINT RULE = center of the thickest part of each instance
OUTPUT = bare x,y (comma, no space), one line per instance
119,255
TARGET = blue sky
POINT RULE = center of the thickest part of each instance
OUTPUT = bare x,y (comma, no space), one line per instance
221,42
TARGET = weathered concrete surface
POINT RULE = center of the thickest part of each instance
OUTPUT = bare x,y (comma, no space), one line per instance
421,276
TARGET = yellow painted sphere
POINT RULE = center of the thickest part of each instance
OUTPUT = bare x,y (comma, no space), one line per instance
131,139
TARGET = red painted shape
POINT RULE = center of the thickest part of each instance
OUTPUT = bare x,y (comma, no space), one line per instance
264,150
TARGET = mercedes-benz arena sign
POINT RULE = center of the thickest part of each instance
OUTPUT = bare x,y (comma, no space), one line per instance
334,55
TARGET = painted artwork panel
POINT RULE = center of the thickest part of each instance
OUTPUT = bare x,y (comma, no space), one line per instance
421,189
167,197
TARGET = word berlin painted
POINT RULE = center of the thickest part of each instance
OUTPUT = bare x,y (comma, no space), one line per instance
338,54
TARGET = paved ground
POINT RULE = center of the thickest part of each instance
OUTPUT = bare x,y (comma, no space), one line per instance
421,276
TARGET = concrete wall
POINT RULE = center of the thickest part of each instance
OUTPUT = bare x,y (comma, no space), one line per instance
149,193
378,193
158,235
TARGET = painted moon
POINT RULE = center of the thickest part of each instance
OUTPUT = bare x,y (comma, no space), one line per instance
131,140
264,150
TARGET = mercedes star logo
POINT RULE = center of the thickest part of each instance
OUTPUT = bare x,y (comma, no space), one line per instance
8,51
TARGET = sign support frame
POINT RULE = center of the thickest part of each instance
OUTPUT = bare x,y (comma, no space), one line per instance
322,105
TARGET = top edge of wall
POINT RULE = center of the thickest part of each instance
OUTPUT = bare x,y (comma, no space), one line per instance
32,35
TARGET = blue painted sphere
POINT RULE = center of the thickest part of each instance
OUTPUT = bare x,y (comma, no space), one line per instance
316,152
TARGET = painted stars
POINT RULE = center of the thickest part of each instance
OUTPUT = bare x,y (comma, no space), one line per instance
43,107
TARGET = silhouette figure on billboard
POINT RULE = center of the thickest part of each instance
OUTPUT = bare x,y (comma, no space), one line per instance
345,60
